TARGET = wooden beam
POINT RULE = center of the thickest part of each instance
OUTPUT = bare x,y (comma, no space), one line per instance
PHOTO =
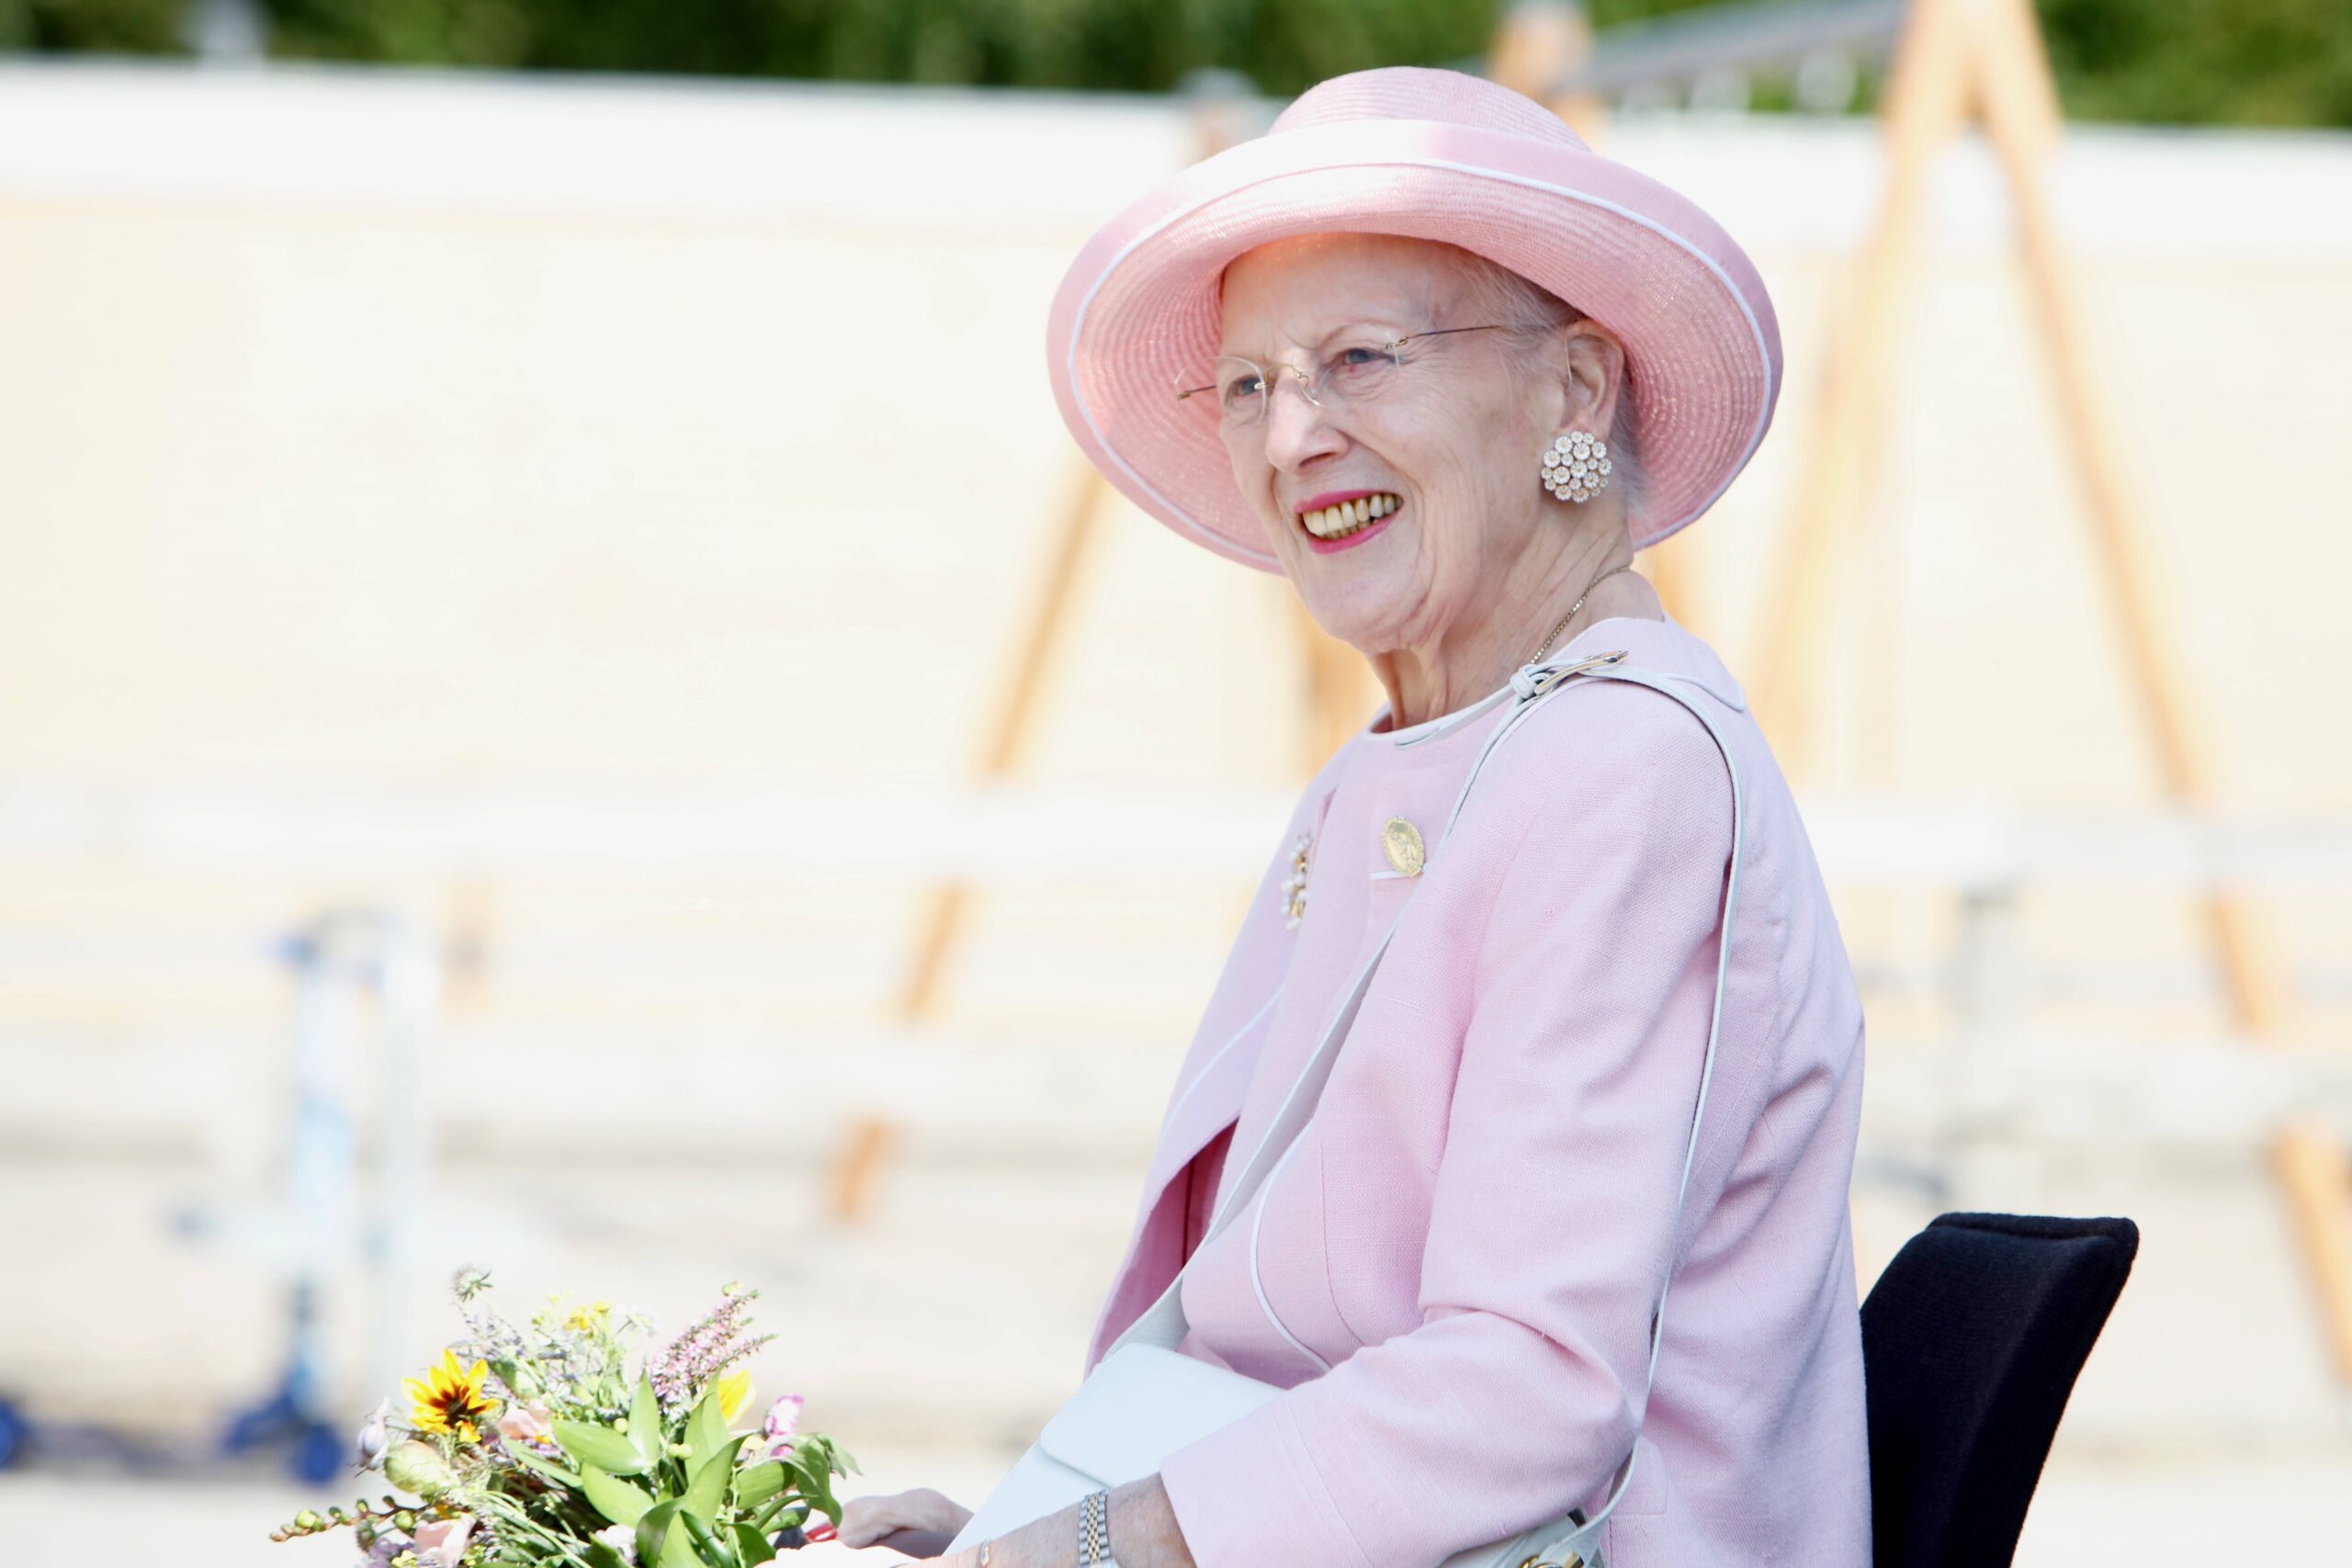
1673,570
2023,118
1340,692
2316,1175
1539,48
2023,121
1927,102
857,1174
1008,733
947,910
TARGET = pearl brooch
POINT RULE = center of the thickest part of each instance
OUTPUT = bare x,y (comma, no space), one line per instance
1294,884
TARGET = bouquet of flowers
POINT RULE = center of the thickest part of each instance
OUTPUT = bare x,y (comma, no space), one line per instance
561,1443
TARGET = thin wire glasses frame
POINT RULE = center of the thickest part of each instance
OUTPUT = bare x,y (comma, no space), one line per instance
1241,399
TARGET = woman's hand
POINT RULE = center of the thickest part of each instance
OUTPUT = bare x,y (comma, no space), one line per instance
920,1523
1143,1535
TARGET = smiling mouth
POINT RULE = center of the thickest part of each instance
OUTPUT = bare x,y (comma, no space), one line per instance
1349,516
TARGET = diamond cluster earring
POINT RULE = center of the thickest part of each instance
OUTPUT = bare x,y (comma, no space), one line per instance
1576,466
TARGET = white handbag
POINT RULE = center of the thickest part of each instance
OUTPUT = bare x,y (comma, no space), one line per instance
1144,1399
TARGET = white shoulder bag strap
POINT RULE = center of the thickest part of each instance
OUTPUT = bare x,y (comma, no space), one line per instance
1163,1323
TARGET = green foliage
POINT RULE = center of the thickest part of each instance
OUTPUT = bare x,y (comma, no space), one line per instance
2187,62
616,1499
705,1430
706,1495
645,1429
2203,62
1144,45
670,1477
600,1446
523,1455
684,1519
114,27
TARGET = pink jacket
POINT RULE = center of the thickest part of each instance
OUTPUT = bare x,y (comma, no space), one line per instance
1452,1273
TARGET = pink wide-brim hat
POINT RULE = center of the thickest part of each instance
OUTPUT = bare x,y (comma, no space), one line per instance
1435,155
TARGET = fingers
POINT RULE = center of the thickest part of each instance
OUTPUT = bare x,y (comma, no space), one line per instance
923,1546
953,1515
864,1521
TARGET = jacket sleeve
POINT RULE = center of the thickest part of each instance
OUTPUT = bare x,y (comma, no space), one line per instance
1520,1392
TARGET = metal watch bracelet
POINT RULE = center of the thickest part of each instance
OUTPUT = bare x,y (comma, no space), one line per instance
1094,1532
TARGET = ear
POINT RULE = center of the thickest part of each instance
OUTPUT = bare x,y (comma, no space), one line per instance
1595,377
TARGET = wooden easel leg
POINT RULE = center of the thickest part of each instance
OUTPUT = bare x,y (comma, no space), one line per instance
858,1169
945,912
2022,117
1338,700
942,922
1927,100
2317,1177
1539,49
1673,573
1538,45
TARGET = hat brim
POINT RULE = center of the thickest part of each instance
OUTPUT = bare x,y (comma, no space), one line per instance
1138,308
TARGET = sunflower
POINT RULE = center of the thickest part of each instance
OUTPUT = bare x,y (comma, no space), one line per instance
452,1402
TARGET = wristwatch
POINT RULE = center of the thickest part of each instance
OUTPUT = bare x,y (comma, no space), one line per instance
1094,1532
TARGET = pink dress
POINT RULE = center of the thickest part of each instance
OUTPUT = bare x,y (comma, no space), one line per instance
1451,1272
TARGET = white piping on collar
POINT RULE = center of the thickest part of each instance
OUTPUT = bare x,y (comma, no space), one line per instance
1445,724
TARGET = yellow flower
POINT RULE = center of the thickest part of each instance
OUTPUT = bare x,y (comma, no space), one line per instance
453,1401
588,1319
734,1392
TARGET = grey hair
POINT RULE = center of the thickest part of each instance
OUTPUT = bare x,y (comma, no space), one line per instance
1532,314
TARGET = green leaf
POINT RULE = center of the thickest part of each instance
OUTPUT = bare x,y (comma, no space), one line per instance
819,1451
753,1547
707,1493
600,1555
717,1550
653,1533
600,1446
645,1424
706,1430
545,1466
758,1483
810,1466
616,1499
678,1549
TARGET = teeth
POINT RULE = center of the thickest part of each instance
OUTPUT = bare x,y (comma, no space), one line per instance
1338,522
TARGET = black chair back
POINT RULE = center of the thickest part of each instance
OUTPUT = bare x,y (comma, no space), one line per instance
1970,1343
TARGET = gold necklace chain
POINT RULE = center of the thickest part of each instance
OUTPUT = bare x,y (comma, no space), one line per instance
1555,631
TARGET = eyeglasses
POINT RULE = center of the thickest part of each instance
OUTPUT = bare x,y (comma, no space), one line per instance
1355,372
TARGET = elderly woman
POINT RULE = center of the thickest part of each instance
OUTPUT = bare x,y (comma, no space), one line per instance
1446,370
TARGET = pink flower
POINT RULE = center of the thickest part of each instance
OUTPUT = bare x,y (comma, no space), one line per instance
442,1542
776,1432
525,1424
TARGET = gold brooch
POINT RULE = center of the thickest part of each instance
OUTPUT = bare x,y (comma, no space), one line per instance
1294,884
1401,842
